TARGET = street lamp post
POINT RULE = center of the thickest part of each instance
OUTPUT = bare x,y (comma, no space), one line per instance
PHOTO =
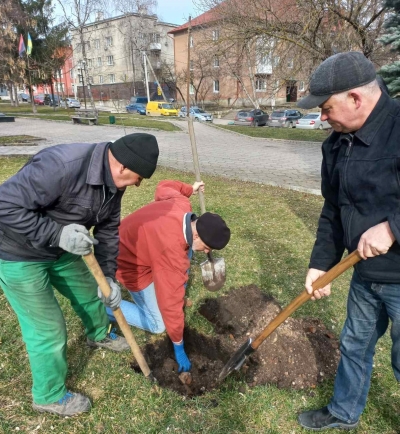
83,80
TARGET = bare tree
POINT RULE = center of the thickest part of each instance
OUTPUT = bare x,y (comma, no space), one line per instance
317,28
12,67
77,14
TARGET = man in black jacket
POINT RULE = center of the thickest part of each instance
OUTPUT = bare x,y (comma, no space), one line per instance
361,188
46,211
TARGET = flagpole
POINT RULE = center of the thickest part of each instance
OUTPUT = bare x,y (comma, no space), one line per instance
34,110
27,52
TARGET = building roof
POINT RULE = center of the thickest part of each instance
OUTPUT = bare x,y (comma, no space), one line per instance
202,19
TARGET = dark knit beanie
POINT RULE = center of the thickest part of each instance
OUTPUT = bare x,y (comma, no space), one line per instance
213,230
138,152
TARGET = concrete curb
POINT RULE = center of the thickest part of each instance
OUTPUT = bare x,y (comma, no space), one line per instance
264,138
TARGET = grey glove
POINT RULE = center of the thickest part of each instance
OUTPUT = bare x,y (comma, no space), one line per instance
75,239
114,299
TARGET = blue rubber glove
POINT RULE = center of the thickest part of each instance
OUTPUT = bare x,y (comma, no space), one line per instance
184,364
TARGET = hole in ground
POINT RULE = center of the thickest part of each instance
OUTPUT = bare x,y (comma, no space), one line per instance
207,355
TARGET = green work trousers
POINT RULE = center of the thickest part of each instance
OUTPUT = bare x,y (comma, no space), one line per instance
28,287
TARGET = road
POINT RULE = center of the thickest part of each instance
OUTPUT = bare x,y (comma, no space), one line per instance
285,163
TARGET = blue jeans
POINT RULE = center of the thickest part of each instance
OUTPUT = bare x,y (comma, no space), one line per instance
369,307
144,312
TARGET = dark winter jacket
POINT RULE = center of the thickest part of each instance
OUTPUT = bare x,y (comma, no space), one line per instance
361,187
60,185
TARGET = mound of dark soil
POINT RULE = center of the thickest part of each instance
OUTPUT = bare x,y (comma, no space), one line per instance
298,354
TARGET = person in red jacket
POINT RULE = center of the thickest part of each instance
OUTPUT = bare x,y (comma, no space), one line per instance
156,244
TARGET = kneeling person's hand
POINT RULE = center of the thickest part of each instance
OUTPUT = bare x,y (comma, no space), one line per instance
76,239
113,301
182,359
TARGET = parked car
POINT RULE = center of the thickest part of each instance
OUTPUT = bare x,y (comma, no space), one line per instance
312,121
139,100
160,108
196,113
38,99
42,99
24,97
55,101
284,118
136,108
70,103
255,118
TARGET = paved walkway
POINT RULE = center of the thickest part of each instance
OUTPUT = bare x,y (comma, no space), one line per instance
288,164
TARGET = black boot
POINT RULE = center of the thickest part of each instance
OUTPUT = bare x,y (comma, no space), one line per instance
318,420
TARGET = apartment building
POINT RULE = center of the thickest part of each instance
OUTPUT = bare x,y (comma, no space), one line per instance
111,62
226,74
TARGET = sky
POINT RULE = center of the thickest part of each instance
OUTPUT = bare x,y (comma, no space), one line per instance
176,11
170,11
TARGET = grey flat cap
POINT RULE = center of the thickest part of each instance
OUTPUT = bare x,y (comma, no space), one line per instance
338,73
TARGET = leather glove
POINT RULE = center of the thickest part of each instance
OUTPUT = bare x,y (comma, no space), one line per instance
184,364
114,299
75,239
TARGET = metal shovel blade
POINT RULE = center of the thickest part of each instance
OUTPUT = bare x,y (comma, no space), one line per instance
213,273
237,360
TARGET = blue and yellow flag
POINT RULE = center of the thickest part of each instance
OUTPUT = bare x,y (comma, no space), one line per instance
29,46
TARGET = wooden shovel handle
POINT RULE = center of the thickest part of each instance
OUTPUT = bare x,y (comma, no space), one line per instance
97,272
322,281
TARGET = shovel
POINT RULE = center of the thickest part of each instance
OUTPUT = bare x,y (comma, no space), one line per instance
237,360
97,272
212,270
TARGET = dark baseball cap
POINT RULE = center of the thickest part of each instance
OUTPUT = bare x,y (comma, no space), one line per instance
338,73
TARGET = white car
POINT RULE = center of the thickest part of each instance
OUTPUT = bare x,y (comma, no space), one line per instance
312,121
197,113
71,103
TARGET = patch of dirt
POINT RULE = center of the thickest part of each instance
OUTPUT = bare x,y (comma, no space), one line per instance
299,354
207,355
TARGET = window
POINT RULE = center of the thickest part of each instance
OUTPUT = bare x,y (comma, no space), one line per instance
215,35
191,65
276,60
90,80
301,86
216,86
87,45
80,78
109,41
261,85
71,73
99,61
216,61
111,78
110,60
191,89
290,63
89,63
101,79
97,44
155,37
191,41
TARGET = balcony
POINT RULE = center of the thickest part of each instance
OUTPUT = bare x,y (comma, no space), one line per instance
155,46
264,68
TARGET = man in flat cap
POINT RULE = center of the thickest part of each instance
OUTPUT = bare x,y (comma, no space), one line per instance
156,244
46,211
360,185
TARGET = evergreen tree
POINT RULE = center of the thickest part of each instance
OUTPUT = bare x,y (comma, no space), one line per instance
391,72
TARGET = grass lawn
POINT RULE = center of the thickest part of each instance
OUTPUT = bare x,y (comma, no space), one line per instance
279,133
62,114
18,140
272,234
